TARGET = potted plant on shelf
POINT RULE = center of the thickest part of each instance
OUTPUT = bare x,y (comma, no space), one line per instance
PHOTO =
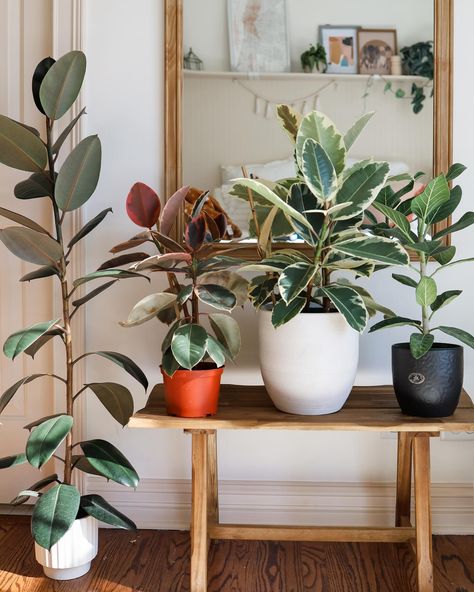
64,523
427,376
314,59
310,361
194,351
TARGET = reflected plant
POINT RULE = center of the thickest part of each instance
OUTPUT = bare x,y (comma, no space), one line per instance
56,86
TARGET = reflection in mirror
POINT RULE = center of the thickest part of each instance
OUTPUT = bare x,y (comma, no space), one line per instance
250,55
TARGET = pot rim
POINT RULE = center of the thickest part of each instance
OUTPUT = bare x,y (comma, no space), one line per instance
435,347
182,371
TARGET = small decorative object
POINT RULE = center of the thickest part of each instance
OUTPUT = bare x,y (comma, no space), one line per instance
396,63
376,48
340,45
427,376
64,523
318,317
314,59
192,62
197,343
418,60
258,36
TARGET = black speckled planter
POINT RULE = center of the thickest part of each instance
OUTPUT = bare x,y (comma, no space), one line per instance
430,386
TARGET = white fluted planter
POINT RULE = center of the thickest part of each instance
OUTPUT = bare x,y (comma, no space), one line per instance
71,556
309,364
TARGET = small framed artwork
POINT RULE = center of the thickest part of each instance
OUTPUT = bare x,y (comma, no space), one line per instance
376,48
340,44
258,36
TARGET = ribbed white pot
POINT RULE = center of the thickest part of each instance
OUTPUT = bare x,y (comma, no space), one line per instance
309,364
71,556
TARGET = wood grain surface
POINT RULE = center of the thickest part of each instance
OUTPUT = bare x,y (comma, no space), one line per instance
151,561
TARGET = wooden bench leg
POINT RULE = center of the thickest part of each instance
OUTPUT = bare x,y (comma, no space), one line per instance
212,481
199,511
404,464
424,555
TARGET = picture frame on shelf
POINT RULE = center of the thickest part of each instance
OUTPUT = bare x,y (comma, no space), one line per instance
376,47
340,43
258,36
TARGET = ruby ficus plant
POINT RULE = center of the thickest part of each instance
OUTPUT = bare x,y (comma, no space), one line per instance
56,86
197,273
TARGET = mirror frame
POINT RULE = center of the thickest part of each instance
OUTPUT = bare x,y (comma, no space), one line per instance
173,72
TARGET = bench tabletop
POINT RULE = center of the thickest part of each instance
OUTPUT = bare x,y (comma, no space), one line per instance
369,408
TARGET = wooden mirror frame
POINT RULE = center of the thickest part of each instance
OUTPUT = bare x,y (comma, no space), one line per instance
442,98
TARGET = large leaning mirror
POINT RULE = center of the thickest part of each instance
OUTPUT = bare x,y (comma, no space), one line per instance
230,63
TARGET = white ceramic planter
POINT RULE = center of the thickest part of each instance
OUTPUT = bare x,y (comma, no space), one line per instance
309,364
71,556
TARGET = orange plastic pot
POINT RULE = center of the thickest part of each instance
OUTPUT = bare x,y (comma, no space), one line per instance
193,393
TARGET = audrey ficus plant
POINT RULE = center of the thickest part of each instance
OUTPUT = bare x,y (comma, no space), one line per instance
56,85
325,205
415,363
197,342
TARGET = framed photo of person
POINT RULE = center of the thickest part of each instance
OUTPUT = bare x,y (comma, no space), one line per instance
340,43
258,36
376,48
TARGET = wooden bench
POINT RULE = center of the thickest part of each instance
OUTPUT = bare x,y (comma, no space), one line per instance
368,409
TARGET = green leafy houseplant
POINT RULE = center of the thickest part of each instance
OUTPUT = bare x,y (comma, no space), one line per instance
435,204
314,57
325,205
197,273
56,86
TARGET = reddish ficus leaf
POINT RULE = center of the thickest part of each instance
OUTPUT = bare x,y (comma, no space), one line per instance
195,232
221,223
171,209
143,205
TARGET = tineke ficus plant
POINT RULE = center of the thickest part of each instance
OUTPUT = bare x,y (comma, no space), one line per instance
56,86
434,205
325,204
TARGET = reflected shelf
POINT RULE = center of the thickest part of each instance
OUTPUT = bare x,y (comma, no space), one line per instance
300,76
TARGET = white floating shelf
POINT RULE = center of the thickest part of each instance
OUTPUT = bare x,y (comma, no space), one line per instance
299,76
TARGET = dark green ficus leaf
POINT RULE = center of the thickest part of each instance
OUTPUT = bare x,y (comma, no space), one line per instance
420,344
38,422
126,363
62,84
460,334
81,463
216,351
38,486
20,148
79,175
37,185
21,340
65,133
38,77
54,513
8,395
46,438
119,274
89,227
43,340
350,304
110,462
444,299
216,296
169,363
10,461
115,398
31,246
41,272
227,332
96,506
123,260
455,170
405,280
92,294
294,279
395,322
185,294
189,345
465,221
449,206
23,220
282,312
427,205
443,255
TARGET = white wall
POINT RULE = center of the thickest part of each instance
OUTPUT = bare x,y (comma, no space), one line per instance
125,106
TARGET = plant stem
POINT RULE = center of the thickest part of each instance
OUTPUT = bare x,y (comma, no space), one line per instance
195,300
425,317
58,219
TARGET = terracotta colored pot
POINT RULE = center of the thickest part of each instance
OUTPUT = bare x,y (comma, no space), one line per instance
193,393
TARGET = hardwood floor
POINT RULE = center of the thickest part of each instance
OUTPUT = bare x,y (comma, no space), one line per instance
151,561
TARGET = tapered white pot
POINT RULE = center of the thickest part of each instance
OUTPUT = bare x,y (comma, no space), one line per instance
71,556
309,364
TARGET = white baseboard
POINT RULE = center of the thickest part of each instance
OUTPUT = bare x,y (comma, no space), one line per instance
165,504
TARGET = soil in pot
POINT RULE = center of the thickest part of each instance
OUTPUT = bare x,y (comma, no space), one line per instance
193,393
432,385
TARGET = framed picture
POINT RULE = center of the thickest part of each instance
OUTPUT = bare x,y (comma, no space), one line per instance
258,36
376,48
340,44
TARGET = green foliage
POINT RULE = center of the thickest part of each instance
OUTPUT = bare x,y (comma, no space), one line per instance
56,86
315,56
325,204
96,506
434,204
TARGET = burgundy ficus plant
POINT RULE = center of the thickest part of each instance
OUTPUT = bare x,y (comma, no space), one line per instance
198,272
56,86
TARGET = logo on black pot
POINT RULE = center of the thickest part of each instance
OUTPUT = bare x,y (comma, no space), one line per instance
416,378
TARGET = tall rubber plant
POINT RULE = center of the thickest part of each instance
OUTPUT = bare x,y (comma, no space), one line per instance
56,86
